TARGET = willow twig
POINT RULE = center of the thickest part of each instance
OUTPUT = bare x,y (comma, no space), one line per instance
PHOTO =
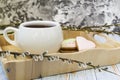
96,29
53,58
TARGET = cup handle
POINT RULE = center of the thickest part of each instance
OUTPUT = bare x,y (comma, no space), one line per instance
13,42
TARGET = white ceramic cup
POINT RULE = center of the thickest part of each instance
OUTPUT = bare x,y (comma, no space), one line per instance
36,36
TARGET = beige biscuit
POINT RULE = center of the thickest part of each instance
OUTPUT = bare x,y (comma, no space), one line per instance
69,44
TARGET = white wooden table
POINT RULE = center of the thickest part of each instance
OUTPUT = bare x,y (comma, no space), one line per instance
88,75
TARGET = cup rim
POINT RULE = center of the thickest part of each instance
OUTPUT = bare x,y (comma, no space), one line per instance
49,23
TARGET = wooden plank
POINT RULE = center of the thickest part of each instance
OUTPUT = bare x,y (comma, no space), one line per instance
80,75
3,75
46,68
24,70
0,48
106,75
83,75
3,42
11,69
28,71
90,74
56,77
35,69
118,68
20,71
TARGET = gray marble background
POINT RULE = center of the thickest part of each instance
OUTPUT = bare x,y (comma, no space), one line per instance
74,12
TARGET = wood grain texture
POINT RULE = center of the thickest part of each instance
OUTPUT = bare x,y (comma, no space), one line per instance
88,75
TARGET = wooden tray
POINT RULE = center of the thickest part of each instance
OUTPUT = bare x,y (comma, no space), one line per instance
24,68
